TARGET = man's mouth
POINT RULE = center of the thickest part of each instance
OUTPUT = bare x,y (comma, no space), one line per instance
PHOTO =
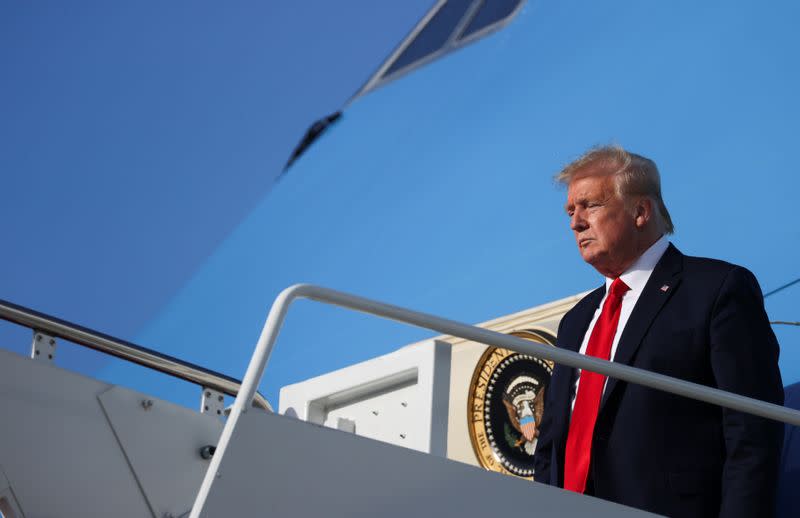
583,242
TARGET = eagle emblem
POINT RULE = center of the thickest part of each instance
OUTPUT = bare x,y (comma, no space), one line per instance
505,407
524,402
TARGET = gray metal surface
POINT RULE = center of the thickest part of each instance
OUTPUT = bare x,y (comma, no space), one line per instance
212,402
162,443
43,347
58,452
56,327
277,466
9,508
71,446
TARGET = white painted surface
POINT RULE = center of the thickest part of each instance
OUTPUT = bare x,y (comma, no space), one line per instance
401,398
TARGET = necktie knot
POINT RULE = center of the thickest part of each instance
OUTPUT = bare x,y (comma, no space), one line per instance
618,288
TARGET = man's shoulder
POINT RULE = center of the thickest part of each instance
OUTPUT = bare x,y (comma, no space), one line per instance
709,268
705,273
707,264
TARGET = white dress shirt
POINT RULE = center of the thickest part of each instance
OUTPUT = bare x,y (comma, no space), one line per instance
635,278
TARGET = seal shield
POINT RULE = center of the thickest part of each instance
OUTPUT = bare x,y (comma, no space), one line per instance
505,406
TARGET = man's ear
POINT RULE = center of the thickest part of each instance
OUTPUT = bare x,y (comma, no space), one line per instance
643,212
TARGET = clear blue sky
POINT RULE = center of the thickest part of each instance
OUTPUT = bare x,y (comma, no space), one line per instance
141,143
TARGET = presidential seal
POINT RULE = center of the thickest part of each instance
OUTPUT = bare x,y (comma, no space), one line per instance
505,406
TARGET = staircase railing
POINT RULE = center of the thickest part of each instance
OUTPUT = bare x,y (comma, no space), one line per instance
57,328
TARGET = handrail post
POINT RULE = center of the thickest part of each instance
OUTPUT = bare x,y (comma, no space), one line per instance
255,370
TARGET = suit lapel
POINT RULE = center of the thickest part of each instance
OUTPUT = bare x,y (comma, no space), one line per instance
666,273
572,337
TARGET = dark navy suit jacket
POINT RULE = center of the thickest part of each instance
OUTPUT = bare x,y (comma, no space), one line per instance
669,454
789,482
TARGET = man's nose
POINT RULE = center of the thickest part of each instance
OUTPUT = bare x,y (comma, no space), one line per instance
577,221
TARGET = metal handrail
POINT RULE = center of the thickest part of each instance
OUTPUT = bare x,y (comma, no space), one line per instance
127,351
280,307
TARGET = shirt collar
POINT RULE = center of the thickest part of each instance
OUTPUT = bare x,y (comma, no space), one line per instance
638,274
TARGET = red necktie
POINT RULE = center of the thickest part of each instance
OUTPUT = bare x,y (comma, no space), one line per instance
590,389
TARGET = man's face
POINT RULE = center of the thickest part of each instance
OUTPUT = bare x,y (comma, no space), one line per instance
604,230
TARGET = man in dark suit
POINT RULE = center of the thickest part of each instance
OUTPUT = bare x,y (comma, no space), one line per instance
697,319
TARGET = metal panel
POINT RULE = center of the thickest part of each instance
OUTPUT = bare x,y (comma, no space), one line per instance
71,446
162,443
9,507
43,347
304,470
56,447
212,402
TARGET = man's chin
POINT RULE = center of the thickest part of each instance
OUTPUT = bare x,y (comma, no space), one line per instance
589,254
594,259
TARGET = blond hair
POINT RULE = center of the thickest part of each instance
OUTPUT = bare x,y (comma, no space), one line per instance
635,176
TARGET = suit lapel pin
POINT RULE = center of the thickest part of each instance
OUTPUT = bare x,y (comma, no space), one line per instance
664,288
